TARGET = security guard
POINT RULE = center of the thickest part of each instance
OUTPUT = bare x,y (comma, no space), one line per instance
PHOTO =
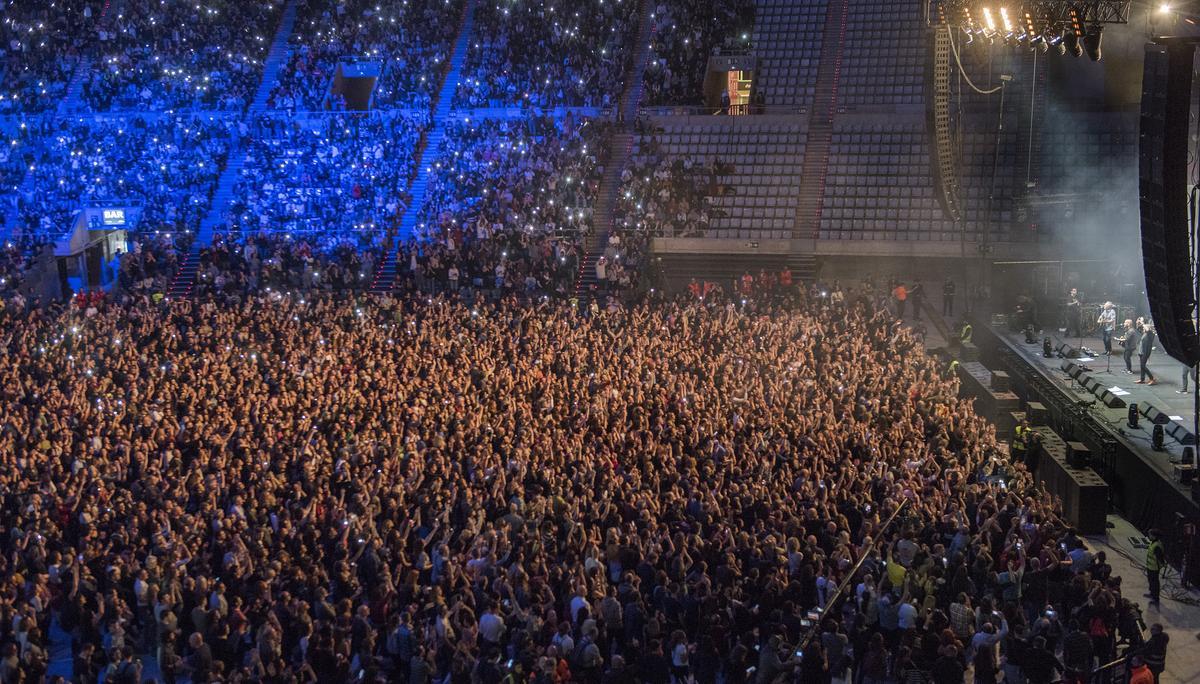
1155,560
1016,449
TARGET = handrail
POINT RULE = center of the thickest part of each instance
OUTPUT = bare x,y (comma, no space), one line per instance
101,202
1105,672
837,595
716,110
361,59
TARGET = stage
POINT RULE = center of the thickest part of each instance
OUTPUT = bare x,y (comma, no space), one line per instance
1143,482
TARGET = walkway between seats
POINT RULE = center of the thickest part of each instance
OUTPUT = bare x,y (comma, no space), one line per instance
385,275
440,117
222,196
620,152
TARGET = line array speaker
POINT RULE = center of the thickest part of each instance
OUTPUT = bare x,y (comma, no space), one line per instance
1163,171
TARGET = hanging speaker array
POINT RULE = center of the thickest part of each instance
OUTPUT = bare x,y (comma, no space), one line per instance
1163,185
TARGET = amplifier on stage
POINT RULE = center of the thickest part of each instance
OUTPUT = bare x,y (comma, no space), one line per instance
1035,413
1000,381
1078,455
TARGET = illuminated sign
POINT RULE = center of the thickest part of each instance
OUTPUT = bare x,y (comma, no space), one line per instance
114,217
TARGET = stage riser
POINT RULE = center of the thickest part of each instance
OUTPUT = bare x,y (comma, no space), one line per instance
1144,495
1083,493
996,406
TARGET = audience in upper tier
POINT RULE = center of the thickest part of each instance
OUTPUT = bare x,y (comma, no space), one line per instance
40,45
410,40
686,34
335,175
158,56
664,195
533,174
166,164
548,53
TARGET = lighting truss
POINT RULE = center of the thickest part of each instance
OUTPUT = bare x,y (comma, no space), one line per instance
1046,19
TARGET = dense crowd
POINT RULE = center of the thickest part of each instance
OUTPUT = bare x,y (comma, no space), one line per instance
410,41
166,165
686,34
40,45
238,266
535,174
335,175
160,56
548,53
319,488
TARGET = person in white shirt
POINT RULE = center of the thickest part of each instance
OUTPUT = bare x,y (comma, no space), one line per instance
1108,325
491,626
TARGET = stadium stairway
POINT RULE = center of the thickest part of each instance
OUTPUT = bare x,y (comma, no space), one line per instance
440,117
385,274
223,194
276,58
820,125
620,150
185,277
73,101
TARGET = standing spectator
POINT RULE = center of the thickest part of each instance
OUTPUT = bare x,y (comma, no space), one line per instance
900,297
1040,665
1155,650
948,297
917,294
1139,672
1077,653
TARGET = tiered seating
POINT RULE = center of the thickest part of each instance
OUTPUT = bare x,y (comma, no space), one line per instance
329,176
183,56
536,173
548,53
756,198
411,38
787,40
40,42
1089,152
1094,156
686,33
884,56
977,164
879,187
169,163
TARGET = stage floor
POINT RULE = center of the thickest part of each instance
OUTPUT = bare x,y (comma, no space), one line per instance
1164,395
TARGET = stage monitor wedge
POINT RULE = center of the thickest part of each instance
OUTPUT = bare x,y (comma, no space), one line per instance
1163,184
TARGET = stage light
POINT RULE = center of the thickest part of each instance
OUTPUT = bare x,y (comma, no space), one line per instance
1164,8
1005,21
1074,34
1157,438
1133,416
1091,42
1047,347
1071,44
988,20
